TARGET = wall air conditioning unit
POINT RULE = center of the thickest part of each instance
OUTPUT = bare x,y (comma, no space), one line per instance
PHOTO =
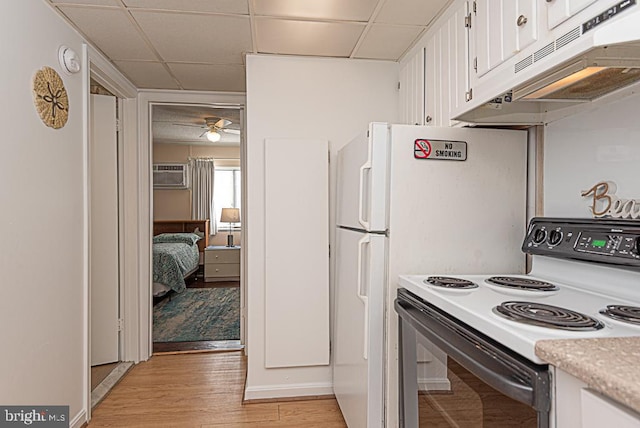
170,176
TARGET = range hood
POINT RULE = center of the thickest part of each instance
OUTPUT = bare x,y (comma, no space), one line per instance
598,72
587,62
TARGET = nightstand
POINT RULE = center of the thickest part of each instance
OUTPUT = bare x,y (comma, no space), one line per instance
221,263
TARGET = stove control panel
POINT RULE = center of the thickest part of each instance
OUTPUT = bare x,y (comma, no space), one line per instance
622,245
614,242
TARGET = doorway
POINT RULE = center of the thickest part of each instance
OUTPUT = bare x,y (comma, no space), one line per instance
201,309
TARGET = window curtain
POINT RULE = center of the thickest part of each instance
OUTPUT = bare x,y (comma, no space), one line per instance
202,204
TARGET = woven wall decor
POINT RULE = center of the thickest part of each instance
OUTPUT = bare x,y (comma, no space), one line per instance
50,98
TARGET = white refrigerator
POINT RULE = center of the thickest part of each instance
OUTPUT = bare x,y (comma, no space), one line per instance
411,200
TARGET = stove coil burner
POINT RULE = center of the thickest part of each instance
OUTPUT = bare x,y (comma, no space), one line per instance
521,283
547,316
451,283
630,314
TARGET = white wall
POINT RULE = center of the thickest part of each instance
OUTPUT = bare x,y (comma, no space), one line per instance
43,219
582,150
293,97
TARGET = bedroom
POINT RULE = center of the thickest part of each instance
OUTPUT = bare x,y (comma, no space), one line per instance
197,294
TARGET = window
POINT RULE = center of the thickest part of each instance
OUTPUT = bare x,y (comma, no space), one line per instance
226,192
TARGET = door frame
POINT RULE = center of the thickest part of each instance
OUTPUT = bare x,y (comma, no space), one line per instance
146,100
96,66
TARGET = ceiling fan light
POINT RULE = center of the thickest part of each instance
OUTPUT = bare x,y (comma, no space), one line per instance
213,136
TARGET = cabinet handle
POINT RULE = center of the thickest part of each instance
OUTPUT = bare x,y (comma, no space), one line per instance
521,20
549,1
428,119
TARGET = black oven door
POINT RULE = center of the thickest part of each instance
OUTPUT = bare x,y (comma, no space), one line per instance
454,376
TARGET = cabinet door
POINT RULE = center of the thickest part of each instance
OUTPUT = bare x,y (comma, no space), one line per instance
502,28
599,411
432,80
559,11
525,23
487,25
412,90
457,66
446,68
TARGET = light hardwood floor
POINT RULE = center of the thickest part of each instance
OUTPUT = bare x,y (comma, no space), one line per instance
202,391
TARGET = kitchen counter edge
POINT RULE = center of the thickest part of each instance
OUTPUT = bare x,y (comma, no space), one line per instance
610,366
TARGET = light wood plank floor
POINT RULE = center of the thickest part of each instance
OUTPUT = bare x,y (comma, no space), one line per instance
202,391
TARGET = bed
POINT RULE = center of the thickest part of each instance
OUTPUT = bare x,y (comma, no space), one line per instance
177,249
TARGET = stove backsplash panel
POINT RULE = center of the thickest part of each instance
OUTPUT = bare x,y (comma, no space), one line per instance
601,145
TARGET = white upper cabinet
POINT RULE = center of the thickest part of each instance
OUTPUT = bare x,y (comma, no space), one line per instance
412,90
434,77
446,67
559,11
499,30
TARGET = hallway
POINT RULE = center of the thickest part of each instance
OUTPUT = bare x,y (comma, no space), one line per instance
202,390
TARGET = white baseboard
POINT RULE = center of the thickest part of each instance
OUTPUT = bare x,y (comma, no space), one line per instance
79,420
434,384
287,391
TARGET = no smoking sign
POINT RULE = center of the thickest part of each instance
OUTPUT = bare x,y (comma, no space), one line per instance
440,150
422,149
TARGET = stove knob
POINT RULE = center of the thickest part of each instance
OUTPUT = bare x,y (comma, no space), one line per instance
555,237
539,236
637,246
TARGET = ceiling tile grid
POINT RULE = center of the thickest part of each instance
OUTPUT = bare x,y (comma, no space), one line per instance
210,77
201,44
147,75
211,39
282,36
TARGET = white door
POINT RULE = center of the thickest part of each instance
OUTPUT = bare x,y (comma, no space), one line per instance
296,221
103,232
362,177
358,348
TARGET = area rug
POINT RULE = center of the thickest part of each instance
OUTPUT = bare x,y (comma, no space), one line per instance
198,314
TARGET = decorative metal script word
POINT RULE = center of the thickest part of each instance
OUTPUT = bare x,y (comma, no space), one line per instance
604,202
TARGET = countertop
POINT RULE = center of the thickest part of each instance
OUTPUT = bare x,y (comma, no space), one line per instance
608,365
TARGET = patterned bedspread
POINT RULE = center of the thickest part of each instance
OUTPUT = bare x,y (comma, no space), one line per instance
171,261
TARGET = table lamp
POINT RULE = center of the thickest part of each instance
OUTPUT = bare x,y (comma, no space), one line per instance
230,215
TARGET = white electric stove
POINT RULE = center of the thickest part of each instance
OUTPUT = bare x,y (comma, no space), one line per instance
578,311
585,283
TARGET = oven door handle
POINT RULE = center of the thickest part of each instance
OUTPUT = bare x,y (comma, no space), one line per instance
492,365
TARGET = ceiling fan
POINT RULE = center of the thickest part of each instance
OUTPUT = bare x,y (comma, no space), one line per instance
214,126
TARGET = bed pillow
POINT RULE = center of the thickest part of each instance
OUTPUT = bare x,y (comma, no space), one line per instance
185,238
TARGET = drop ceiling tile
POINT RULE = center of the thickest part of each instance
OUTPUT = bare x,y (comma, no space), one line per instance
111,31
196,38
218,6
205,77
90,2
410,12
352,10
282,36
147,75
387,41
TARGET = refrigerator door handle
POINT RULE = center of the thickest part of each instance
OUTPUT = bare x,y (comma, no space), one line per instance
362,295
365,166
